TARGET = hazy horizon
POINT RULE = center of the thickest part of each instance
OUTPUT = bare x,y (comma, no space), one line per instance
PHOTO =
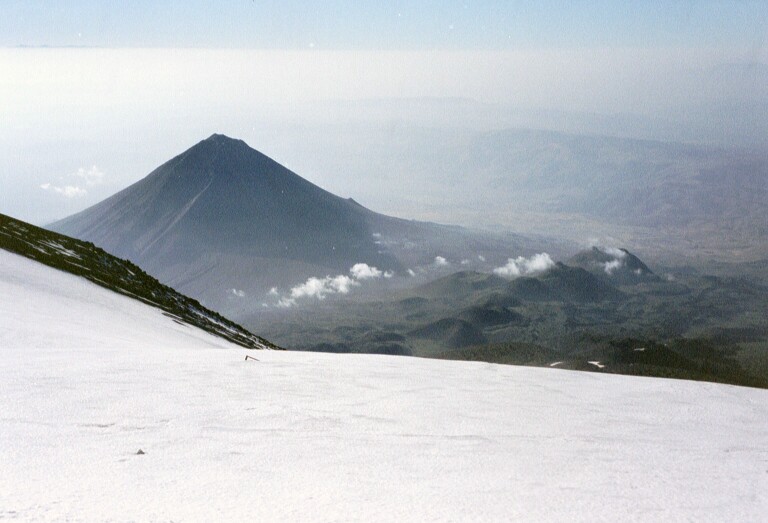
93,98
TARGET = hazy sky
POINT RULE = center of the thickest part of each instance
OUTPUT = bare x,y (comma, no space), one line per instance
356,24
94,96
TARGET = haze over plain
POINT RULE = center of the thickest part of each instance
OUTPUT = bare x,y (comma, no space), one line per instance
93,98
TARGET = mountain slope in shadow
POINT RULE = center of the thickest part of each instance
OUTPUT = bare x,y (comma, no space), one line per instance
223,217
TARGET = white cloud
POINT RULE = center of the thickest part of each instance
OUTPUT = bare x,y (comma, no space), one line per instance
612,265
319,288
342,284
481,257
71,191
92,176
411,273
615,252
286,303
441,262
68,191
522,266
238,293
619,259
363,271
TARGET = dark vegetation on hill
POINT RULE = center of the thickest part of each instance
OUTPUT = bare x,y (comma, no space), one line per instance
682,325
94,264
680,358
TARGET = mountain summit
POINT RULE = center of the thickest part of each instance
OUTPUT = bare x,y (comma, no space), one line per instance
222,213
222,219
618,265
223,196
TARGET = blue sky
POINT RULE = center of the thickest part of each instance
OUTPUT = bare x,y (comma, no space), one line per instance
346,24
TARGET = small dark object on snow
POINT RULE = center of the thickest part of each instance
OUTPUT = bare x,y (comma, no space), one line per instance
140,453
250,358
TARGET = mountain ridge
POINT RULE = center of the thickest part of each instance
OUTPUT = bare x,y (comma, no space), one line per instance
120,276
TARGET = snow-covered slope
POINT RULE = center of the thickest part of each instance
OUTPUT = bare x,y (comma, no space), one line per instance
43,308
92,263
89,377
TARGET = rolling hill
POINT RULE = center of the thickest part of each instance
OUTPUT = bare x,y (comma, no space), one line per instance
683,325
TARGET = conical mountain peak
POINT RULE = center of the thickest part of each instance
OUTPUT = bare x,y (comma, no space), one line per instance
221,204
222,221
217,141
619,265
216,137
222,140
221,157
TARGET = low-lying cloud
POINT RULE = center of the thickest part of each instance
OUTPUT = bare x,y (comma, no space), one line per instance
441,262
618,261
610,266
363,271
522,266
68,191
320,288
90,177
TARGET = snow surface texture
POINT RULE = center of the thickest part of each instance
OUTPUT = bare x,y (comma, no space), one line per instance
89,378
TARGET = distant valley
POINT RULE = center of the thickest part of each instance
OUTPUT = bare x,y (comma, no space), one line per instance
669,200
604,310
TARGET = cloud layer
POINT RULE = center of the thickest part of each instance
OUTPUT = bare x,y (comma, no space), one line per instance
522,266
618,261
441,262
92,176
68,191
89,177
320,288
363,271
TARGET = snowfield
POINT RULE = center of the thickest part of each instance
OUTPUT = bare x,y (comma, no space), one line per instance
89,377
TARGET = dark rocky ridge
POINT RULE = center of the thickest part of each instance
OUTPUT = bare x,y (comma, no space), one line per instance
121,276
